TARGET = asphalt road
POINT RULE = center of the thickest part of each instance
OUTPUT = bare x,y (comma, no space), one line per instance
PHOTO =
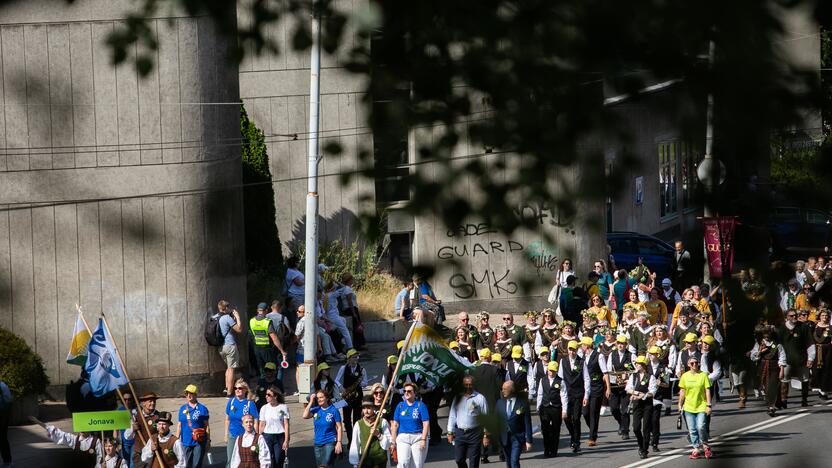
799,437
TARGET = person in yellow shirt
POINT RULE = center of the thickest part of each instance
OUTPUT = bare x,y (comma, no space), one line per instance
602,312
634,302
687,300
656,308
695,405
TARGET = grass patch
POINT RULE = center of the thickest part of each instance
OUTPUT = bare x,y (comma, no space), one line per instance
376,295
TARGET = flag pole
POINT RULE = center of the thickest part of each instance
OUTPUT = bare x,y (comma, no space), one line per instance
130,384
387,393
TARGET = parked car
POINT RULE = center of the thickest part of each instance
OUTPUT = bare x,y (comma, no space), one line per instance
798,233
627,247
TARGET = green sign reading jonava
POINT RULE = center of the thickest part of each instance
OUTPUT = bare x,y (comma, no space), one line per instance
94,421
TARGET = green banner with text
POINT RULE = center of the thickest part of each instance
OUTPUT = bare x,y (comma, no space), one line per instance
94,421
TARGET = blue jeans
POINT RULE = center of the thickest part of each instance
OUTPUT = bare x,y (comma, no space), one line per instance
696,429
275,443
194,455
325,454
229,450
512,451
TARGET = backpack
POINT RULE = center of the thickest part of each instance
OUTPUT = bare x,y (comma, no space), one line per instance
213,331
282,331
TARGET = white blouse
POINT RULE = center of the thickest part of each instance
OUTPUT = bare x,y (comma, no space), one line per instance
263,453
274,417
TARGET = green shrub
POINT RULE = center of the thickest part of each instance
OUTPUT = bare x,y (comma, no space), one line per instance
20,367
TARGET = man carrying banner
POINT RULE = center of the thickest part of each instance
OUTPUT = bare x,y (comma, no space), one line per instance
147,405
166,444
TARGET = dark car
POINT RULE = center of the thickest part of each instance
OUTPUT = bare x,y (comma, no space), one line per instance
627,247
798,233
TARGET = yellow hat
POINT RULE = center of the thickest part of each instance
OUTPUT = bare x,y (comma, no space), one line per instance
485,353
708,339
572,344
543,350
690,338
392,359
400,345
496,357
654,350
586,341
516,351
191,389
351,353
552,366
641,359
270,366
621,339
323,366
453,345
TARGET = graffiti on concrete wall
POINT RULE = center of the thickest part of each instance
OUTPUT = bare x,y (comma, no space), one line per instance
491,281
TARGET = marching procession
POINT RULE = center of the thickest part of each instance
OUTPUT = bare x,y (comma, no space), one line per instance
624,345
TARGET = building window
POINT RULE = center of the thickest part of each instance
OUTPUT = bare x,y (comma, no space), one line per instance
390,142
667,179
690,158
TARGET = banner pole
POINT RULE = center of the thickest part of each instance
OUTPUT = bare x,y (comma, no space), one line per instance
387,393
135,395
118,390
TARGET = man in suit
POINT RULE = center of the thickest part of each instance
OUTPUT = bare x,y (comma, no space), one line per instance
680,266
516,427
487,381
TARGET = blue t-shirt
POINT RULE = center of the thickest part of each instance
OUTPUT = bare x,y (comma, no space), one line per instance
324,421
411,417
236,409
226,322
425,290
199,418
402,297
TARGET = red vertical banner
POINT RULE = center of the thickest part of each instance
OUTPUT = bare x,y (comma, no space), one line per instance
719,244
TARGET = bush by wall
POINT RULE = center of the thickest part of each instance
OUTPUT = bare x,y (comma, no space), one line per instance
20,367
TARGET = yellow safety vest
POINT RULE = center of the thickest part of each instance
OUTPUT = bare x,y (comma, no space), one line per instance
260,329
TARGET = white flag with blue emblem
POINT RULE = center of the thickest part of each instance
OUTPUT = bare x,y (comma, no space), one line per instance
105,370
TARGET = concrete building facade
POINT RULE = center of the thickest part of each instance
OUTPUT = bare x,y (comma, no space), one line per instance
117,193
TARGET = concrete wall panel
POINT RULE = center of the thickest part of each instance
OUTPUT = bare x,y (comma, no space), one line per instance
60,96
67,284
45,277
14,90
6,319
22,274
178,330
105,97
155,277
83,91
105,238
37,90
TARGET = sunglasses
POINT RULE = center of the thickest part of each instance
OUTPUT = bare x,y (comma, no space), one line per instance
506,318
791,316
463,320
270,394
378,393
408,391
239,388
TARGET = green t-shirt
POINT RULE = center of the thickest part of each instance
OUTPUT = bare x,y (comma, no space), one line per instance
694,386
